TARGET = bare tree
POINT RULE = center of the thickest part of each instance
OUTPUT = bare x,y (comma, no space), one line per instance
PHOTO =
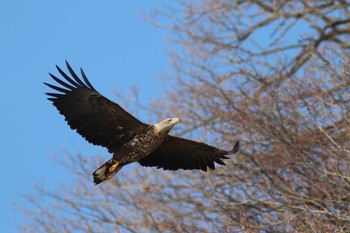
274,75
248,32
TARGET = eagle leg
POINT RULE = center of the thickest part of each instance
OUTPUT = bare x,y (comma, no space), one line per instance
113,167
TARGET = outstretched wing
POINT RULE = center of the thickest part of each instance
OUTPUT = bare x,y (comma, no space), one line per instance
179,153
96,118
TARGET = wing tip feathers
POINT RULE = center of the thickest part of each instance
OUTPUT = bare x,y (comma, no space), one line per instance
235,148
70,83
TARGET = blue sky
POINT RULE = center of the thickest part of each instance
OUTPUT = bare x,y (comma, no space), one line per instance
109,39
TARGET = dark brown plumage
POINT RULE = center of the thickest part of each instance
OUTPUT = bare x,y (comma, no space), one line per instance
104,123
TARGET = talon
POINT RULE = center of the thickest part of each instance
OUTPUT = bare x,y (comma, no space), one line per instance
114,166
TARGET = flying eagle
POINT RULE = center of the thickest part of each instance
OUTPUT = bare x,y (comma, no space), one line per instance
104,123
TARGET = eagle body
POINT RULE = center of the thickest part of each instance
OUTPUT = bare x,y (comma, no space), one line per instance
145,142
105,123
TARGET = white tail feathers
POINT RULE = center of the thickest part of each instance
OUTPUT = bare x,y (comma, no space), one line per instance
106,171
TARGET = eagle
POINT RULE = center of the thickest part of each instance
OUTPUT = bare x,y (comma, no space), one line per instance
105,123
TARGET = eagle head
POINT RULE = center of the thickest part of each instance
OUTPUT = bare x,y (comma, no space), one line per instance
166,125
